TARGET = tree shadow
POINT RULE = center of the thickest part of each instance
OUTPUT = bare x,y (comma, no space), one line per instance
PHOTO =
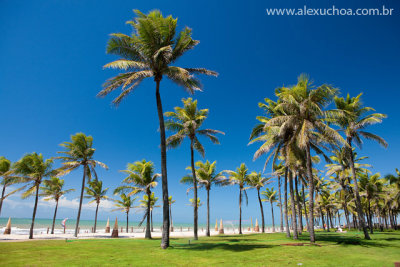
234,247
346,240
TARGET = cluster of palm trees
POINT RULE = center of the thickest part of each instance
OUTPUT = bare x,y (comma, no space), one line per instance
297,128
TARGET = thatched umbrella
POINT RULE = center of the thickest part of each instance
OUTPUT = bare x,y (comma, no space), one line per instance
216,225
115,229
7,231
108,225
257,228
221,227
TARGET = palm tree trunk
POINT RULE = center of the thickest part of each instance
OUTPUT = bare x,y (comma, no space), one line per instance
298,206
170,214
54,218
195,208
286,209
356,191
273,221
151,218
280,202
95,217
208,213
262,211
311,194
2,197
322,217
80,201
304,205
293,205
165,228
240,211
34,212
148,232
127,221
370,218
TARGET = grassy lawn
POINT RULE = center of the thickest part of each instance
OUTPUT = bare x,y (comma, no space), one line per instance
252,250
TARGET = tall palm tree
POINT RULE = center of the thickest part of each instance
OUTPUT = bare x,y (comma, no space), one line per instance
370,188
144,202
149,53
125,205
353,120
141,178
206,176
257,181
186,121
80,152
240,178
302,107
53,189
270,196
95,190
170,202
7,179
32,169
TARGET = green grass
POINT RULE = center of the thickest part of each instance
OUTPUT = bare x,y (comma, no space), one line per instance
335,249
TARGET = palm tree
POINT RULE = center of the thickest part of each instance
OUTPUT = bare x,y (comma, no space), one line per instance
186,121
170,202
270,196
353,120
257,181
370,188
206,176
53,190
144,203
95,191
149,53
239,177
199,203
33,168
79,152
302,107
141,178
125,205
7,179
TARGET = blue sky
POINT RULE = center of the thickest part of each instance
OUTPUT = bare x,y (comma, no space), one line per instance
52,53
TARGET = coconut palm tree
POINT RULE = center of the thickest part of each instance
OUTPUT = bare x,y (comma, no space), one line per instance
257,181
95,190
7,179
206,176
79,152
371,188
149,53
32,169
353,119
302,107
125,205
53,189
170,202
186,121
199,203
144,202
270,196
141,178
240,178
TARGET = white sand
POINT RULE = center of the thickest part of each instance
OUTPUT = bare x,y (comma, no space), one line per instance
155,234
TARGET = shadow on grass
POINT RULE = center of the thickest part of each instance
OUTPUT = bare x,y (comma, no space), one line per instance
224,246
346,240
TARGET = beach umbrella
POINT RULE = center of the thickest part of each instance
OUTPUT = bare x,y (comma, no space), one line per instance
7,231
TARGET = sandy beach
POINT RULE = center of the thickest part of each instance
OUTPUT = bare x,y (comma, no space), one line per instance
101,234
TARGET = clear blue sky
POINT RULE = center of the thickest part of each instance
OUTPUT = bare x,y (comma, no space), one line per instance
51,58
